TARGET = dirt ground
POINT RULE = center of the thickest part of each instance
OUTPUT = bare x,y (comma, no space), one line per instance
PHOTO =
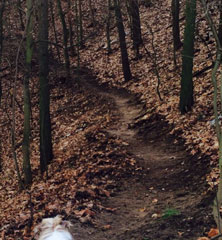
167,199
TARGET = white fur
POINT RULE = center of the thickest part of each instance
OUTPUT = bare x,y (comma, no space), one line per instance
53,229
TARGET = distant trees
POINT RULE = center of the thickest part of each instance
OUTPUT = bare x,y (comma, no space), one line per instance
186,92
72,35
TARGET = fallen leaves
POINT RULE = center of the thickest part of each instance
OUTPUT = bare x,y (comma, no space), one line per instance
86,168
213,232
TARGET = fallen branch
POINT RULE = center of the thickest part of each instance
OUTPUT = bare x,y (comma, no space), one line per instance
197,73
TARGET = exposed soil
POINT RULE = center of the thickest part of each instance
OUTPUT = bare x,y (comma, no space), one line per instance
167,200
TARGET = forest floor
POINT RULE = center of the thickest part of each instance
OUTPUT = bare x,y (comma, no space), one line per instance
166,200
126,164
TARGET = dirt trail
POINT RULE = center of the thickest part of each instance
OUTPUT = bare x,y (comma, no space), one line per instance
168,183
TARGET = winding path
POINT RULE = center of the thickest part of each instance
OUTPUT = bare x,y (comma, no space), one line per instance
167,183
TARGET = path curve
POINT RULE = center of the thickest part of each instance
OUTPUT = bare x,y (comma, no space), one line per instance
167,183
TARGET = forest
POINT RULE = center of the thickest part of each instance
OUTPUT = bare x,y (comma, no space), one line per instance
110,117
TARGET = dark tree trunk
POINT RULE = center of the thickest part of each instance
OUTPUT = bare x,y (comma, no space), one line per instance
108,19
51,2
80,24
65,40
71,33
186,92
20,14
27,102
136,27
220,24
175,24
46,154
122,41
2,8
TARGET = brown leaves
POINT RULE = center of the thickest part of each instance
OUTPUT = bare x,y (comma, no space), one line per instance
86,168
213,232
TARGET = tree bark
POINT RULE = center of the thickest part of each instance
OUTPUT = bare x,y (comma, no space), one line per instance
54,28
92,13
46,154
108,18
220,23
175,7
65,40
186,92
122,40
136,26
2,9
71,33
27,103
80,24
20,14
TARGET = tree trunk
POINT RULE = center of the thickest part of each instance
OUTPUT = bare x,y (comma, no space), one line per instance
175,7
71,44
65,40
92,13
54,28
20,14
122,41
27,102
108,18
186,92
136,27
77,38
220,23
2,8
46,154
80,24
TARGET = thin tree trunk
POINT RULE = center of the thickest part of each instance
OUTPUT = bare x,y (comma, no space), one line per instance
65,40
122,41
136,26
2,9
92,14
27,102
72,48
77,38
108,19
54,28
20,14
175,7
220,23
80,24
46,154
186,92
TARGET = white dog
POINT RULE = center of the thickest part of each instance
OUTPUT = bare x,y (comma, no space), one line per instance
53,229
